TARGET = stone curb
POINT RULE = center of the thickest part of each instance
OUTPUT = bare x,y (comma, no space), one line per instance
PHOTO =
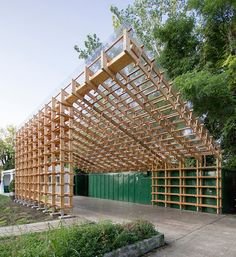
139,248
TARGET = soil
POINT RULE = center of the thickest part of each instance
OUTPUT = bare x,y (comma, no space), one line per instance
12,213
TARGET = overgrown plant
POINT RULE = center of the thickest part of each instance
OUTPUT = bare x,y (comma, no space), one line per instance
87,240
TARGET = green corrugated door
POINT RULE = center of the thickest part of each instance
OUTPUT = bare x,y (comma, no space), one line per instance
121,187
142,189
110,187
106,187
128,187
147,190
137,188
102,186
94,182
116,186
131,182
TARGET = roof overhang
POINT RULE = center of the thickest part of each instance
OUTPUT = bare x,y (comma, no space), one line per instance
126,115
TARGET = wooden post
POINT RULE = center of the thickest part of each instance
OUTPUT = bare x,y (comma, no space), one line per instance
35,158
180,185
40,176
218,184
54,151
62,152
167,188
197,184
70,156
45,152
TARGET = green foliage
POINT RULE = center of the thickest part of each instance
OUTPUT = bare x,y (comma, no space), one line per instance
206,87
7,147
91,43
213,102
87,240
145,16
180,45
4,201
218,28
3,222
230,65
12,186
228,141
79,171
22,221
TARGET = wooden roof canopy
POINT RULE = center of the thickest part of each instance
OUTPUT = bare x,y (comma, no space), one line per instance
121,114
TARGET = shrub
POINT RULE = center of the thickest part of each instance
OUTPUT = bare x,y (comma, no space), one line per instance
87,240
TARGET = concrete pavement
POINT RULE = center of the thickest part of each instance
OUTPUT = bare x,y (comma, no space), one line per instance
37,227
215,239
187,234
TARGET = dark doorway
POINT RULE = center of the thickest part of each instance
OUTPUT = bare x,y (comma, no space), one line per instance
81,184
229,191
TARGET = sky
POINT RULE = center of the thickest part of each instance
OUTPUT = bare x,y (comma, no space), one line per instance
37,39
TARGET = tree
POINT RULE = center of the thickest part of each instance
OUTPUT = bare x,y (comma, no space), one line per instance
180,51
7,147
217,20
211,85
145,16
91,43
211,101
138,16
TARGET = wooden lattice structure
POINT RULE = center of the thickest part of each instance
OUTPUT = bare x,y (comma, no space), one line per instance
119,114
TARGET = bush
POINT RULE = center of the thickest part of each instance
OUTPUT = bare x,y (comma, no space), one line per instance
87,240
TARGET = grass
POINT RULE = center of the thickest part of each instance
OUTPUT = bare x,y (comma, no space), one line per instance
84,240
15,214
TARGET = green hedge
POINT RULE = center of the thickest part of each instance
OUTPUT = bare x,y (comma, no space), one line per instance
85,240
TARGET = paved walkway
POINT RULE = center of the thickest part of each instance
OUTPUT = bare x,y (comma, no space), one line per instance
36,227
187,234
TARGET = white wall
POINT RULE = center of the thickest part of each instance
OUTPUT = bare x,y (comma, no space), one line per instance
6,178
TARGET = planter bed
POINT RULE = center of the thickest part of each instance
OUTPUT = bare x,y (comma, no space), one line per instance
86,240
138,249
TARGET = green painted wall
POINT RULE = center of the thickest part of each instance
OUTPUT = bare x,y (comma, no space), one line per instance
128,187
136,187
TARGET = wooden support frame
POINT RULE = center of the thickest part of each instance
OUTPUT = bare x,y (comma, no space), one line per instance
198,188
119,114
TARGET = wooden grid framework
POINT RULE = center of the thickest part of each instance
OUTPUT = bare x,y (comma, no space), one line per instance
195,186
119,114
